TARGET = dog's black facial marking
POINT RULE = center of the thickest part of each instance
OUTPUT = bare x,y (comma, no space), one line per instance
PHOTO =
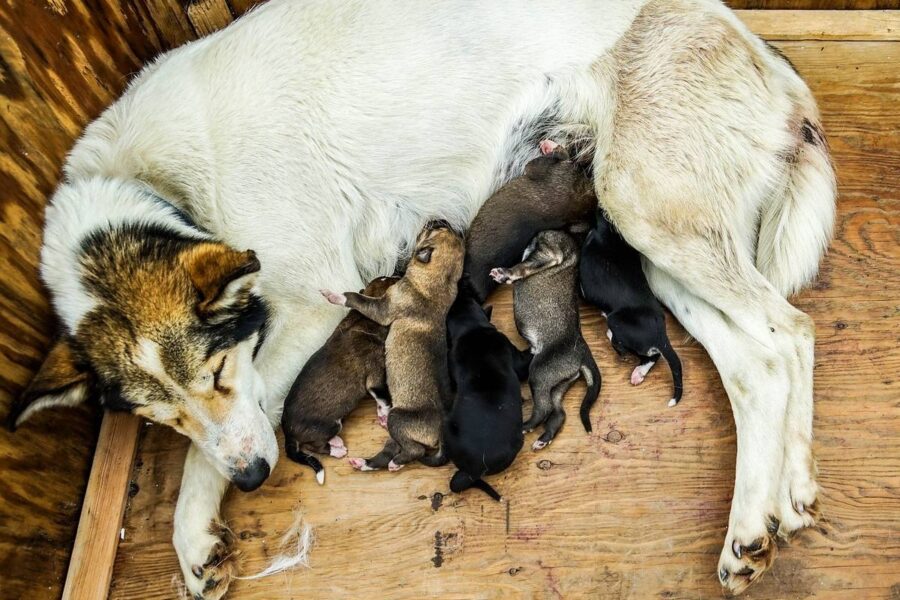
233,326
110,396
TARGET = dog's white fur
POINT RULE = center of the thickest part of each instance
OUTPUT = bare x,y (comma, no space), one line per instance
324,134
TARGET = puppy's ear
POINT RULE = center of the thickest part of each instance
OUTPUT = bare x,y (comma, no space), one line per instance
488,311
223,277
423,255
60,381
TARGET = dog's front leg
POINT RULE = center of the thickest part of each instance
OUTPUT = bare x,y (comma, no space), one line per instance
203,544
524,269
377,309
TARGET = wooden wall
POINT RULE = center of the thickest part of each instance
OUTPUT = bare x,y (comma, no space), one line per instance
61,63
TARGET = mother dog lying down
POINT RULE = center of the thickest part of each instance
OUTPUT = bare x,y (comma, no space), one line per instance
305,145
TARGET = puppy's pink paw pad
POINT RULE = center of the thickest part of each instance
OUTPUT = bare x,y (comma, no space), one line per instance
637,378
539,445
382,420
393,467
357,463
338,451
334,297
499,275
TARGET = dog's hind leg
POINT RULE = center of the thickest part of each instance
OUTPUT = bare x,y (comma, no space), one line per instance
758,378
541,401
557,416
380,460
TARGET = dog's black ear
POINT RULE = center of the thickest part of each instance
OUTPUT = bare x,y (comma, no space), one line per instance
423,255
60,381
222,276
488,311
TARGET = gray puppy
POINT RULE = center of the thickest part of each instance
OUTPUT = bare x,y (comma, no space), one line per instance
546,313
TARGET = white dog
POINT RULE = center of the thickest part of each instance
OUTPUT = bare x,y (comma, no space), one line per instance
305,145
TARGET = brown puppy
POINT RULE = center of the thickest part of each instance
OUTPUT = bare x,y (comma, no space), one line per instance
415,309
553,193
347,368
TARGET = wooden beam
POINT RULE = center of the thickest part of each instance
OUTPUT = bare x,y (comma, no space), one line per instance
93,556
820,25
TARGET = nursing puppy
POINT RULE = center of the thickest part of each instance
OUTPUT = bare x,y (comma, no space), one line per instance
483,430
613,280
546,311
415,308
552,193
347,368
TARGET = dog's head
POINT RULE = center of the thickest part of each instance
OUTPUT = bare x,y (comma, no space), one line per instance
169,332
438,255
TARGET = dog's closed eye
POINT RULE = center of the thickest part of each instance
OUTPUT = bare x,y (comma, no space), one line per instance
423,255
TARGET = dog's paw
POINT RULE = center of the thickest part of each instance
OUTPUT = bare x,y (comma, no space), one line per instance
637,376
500,275
337,451
334,297
547,147
743,560
394,467
539,445
798,502
360,464
382,420
210,580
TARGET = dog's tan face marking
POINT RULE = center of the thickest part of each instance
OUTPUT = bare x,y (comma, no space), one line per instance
171,338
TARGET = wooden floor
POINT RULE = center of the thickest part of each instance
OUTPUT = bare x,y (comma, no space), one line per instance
638,510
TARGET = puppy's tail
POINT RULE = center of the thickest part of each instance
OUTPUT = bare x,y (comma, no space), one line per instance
292,449
462,481
675,366
591,375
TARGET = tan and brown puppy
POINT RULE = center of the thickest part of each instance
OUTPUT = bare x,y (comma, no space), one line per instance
415,308
346,369
554,192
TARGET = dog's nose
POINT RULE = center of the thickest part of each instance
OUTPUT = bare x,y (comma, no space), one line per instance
251,477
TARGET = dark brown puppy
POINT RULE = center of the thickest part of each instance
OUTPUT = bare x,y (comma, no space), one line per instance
415,309
347,368
553,193
545,303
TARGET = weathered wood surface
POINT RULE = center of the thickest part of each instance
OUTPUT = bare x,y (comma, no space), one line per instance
638,510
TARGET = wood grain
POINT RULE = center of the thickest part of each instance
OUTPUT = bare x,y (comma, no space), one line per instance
638,510
91,565
862,25
62,62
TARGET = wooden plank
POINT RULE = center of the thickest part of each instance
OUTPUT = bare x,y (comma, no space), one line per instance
860,25
91,565
639,509
815,4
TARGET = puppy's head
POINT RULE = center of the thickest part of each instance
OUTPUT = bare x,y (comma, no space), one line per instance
170,331
438,253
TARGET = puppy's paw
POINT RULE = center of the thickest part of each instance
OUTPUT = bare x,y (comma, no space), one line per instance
382,420
500,275
637,376
360,464
547,147
394,467
334,297
539,445
338,451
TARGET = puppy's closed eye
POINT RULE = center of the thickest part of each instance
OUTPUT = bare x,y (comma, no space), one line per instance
424,254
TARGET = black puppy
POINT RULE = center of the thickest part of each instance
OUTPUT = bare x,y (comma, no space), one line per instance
613,280
483,429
